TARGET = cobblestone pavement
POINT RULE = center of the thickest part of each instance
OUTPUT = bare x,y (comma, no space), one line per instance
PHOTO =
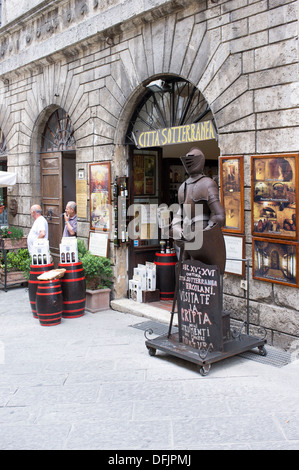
89,383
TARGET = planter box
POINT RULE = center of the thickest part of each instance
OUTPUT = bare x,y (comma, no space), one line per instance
10,244
97,300
12,277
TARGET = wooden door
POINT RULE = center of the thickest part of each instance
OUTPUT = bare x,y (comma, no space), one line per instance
52,201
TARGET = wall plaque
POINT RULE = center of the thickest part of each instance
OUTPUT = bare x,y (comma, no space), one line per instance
199,306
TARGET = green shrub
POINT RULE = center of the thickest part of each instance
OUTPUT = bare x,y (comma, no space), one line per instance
14,233
82,250
17,260
98,271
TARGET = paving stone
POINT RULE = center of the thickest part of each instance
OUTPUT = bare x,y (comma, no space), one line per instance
91,384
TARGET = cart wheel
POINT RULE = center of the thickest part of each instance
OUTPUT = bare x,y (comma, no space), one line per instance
262,351
205,369
151,351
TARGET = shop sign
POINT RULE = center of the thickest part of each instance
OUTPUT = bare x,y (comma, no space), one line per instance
175,135
199,306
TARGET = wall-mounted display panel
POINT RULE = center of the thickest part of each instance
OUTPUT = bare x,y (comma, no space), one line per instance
235,254
232,193
275,261
274,196
100,196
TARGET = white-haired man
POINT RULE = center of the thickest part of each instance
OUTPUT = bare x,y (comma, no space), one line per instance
39,228
70,219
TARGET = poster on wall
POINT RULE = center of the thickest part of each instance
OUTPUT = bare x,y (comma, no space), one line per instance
100,196
274,196
275,261
144,167
99,244
232,193
235,253
81,198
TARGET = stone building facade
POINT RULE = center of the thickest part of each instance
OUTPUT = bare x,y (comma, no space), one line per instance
93,59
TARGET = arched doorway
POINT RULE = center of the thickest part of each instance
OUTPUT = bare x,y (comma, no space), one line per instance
58,173
169,120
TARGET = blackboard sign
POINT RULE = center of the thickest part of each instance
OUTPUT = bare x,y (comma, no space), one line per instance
199,306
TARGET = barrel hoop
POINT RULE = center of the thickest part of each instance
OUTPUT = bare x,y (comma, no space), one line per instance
72,316
70,264
166,293
73,280
49,293
73,271
77,310
35,266
165,264
166,254
73,301
49,286
54,314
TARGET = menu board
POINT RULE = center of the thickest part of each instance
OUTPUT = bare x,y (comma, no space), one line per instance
199,306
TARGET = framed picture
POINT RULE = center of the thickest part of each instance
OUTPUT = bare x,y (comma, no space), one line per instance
232,193
235,253
100,196
99,243
274,196
144,167
275,261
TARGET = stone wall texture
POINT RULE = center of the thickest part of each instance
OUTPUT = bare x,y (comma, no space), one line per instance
92,58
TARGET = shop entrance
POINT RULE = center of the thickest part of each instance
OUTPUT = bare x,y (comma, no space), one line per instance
145,194
172,117
58,174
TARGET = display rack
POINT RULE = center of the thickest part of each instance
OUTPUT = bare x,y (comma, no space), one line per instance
120,210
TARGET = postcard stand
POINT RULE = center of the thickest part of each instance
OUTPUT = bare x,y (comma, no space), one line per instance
204,335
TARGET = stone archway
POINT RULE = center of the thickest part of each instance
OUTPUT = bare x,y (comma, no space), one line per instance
57,173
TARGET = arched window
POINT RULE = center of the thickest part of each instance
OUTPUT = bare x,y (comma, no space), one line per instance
168,103
3,149
58,135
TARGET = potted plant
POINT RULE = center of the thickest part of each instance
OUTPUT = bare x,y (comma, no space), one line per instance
12,237
16,266
99,278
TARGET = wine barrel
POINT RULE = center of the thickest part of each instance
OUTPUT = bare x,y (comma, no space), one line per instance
49,302
165,274
73,290
35,271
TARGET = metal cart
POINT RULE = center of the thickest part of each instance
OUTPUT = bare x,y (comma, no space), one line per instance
236,343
